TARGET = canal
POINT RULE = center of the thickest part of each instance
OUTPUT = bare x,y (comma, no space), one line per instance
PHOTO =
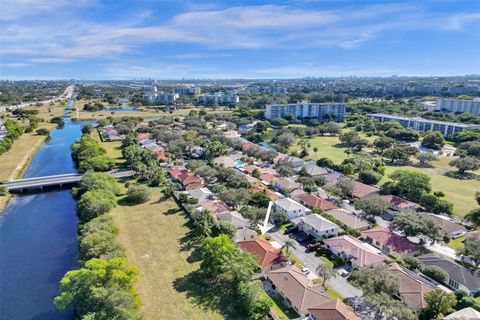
38,235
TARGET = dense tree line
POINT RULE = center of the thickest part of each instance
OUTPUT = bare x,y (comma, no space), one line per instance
14,131
89,155
102,287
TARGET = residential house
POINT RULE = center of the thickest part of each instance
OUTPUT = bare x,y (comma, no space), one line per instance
294,162
362,190
390,242
316,226
464,314
447,226
234,218
398,204
215,207
313,170
286,185
349,220
268,256
412,286
333,177
357,253
290,207
296,194
296,289
245,234
315,202
232,134
271,194
333,310
460,277
226,161
473,234
267,178
190,181
201,194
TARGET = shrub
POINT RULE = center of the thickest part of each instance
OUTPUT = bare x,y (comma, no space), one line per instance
43,132
94,203
436,273
137,194
369,176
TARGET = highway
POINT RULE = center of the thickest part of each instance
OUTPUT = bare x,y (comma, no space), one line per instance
56,180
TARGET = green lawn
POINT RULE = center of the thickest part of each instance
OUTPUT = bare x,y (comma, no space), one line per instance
327,261
332,293
459,192
281,310
456,244
157,238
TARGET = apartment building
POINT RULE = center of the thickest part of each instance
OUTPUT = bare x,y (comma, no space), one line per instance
187,90
307,110
420,124
219,98
459,106
167,97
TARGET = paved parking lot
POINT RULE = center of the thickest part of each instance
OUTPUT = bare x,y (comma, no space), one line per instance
308,259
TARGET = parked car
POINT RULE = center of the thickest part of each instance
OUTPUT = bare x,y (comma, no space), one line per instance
305,270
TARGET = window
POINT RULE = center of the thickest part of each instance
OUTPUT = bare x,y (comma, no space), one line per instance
452,283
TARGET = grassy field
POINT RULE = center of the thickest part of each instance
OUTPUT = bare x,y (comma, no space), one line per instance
155,235
113,148
459,192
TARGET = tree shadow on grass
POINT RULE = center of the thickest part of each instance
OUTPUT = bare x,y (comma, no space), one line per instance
464,176
207,296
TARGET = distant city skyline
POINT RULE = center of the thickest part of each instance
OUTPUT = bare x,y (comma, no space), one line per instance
96,40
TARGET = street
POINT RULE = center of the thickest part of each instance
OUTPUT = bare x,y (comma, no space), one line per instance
308,259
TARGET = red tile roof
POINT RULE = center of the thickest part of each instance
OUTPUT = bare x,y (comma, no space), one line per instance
266,253
333,310
361,190
215,207
399,203
396,243
175,173
315,202
267,177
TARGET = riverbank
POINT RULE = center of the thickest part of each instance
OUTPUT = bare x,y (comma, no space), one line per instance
15,161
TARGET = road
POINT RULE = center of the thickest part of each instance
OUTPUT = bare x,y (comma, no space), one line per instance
39,182
67,94
308,259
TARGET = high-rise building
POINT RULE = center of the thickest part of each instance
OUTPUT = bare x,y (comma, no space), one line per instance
187,90
421,124
222,98
459,106
307,110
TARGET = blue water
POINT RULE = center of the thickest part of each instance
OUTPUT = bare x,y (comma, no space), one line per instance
124,109
38,236
239,164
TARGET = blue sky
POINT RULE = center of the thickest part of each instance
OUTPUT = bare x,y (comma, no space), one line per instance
94,39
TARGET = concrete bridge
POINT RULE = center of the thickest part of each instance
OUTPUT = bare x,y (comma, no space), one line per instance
61,180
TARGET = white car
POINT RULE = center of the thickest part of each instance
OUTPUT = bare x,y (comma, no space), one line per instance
305,270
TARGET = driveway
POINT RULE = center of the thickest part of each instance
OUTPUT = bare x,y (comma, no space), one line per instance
308,259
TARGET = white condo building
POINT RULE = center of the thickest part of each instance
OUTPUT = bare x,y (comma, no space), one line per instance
221,98
306,110
421,124
459,106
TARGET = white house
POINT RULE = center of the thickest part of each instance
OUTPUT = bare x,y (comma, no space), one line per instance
291,208
316,226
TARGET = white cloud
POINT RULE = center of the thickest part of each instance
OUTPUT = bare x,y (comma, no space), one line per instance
247,27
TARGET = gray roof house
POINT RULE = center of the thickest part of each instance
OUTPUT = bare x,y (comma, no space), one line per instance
201,194
244,234
447,226
292,161
461,278
234,218
316,226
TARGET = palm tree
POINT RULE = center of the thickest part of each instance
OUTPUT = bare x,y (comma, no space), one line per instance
289,244
326,272
315,150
